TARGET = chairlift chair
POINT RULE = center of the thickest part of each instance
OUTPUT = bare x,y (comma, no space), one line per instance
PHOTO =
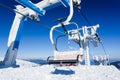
65,58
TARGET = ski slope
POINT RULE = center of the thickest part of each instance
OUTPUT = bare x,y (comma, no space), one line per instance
32,71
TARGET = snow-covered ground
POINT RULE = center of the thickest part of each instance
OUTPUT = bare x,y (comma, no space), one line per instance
32,71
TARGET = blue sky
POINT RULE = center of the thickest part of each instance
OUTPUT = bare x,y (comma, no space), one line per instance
35,40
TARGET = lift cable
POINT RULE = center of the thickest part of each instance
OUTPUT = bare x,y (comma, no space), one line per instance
89,23
98,38
46,26
10,9
15,11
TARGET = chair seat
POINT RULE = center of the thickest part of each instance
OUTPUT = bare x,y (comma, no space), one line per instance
62,61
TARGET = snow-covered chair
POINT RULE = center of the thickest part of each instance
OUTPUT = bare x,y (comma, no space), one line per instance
66,57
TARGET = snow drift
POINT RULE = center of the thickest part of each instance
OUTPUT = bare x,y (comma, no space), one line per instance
32,71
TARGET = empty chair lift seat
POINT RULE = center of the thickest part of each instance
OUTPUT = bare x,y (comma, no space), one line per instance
66,58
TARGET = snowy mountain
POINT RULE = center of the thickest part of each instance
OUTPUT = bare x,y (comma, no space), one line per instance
116,64
33,71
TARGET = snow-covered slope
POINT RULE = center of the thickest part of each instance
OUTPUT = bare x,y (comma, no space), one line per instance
32,71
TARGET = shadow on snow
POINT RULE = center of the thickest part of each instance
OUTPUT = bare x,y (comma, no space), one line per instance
63,72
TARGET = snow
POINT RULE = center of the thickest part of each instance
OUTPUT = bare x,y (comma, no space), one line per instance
32,71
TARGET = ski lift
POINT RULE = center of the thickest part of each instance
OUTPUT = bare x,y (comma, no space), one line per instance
66,58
